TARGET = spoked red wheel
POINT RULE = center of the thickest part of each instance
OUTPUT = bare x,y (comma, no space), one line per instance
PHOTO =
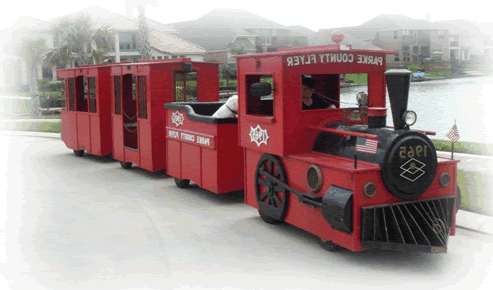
272,198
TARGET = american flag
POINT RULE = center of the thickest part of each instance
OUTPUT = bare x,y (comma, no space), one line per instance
365,145
453,134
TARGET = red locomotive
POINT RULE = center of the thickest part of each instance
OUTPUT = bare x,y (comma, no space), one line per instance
302,157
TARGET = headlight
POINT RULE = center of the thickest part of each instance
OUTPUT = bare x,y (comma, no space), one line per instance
370,189
409,118
444,179
314,178
362,99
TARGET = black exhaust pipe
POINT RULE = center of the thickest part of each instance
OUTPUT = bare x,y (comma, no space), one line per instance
398,82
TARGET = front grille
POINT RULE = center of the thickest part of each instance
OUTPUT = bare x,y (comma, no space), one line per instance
418,226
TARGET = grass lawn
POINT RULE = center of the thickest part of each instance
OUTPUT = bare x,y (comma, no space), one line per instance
33,127
357,78
464,147
476,191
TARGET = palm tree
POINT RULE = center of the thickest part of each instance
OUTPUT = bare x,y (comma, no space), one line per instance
145,48
33,51
79,43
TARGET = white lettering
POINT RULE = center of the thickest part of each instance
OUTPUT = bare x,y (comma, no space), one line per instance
290,61
380,61
333,57
351,58
321,58
302,58
296,60
203,140
370,59
314,58
344,57
187,137
173,134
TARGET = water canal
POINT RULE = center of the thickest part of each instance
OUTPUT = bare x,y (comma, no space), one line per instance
438,103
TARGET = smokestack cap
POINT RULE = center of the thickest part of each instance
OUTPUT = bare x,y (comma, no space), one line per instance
398,72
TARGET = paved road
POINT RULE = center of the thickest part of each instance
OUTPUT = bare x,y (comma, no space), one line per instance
85,223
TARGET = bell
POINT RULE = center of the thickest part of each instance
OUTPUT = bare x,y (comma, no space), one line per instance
354,115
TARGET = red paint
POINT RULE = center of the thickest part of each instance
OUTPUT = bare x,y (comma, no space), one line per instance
81,128
141,138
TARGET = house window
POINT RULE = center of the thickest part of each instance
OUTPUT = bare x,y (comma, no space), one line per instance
159,57
408,34
128,41
396,58
395,34
441,33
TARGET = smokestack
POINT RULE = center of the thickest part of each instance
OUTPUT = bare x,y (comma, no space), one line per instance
398,81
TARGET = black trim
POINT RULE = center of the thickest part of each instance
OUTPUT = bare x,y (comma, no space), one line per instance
202,112
414,226
337,208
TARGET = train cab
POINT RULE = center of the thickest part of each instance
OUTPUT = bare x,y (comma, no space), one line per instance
137,113
329,164
86,119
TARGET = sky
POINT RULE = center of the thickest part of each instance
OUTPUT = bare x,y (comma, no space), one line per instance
313,14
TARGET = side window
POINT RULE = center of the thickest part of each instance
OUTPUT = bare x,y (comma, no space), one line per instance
81,94
71,94
351,87
118,95
142,98
185,86
261,106
92,95
319,91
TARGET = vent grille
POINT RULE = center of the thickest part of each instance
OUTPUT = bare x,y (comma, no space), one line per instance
421,226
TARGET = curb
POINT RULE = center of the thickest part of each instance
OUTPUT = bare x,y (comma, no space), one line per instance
464,219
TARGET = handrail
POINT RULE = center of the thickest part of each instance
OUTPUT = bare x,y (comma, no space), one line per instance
421,131
344,132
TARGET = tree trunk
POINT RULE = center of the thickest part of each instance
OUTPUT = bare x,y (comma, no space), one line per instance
145,41
33,89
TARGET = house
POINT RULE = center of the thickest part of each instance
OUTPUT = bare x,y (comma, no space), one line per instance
224,32
164,43
414,40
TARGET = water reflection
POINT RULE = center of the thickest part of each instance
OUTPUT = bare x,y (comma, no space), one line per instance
439,103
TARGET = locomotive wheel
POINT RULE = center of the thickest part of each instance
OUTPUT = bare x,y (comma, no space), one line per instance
328,245
272,199
79,153
182,183
125,165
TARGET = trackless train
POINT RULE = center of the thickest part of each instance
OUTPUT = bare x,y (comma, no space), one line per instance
337,172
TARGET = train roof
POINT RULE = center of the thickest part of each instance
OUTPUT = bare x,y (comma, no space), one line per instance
315,49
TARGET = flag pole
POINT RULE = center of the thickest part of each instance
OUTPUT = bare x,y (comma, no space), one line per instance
452,150
355,159
453,142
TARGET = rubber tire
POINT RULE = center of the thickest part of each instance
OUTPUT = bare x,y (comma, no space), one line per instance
182,183
328,245
268,219
125,165
79,153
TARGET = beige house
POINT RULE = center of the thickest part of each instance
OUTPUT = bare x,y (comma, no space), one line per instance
126,47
